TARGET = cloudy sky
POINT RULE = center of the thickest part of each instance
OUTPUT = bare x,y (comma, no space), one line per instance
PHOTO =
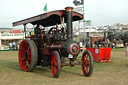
101,12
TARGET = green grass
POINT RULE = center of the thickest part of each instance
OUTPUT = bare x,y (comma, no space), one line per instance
119,49
115,73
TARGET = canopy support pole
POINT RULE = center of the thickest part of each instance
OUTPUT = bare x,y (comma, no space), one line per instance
25,30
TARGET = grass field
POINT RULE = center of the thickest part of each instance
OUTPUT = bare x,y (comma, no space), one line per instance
115,73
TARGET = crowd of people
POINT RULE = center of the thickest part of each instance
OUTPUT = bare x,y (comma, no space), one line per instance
91,43
13,46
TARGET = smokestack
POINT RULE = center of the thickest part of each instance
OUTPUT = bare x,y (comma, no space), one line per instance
69,22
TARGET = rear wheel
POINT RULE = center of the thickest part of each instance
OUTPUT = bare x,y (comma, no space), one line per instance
87,63
28,55
55,64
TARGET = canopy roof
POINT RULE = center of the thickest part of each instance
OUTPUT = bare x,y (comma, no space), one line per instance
16,31
49,19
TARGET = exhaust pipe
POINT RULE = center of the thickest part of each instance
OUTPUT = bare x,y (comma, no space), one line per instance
69,22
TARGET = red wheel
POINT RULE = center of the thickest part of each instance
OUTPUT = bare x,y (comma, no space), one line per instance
55,64
27,55
87,63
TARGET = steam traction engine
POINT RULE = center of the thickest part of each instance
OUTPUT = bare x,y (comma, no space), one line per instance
51,48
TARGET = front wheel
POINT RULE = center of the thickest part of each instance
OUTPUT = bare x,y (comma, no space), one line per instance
87,63
55,64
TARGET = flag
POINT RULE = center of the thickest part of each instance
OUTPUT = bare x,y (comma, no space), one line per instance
45,8
78,2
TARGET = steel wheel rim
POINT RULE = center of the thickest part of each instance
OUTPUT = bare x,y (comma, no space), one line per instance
24,55
86,63
54,64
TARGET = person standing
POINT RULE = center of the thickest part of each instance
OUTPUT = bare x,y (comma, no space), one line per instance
91,43
37,29
108,42
81,45
13,45
126,53
10,45
16,45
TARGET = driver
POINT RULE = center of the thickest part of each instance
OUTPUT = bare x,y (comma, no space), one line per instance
37,29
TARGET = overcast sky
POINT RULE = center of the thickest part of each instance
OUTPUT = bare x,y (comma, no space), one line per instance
101,12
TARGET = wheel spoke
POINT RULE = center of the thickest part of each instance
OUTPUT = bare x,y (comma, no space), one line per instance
54,57
29,56
54,68
23,59
26,45
27,63
83,66
22,56
86,57
55,63
87,63
23,49
28,48
87,69
26,66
